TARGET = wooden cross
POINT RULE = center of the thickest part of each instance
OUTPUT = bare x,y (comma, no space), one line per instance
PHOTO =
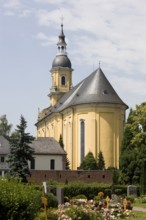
125,203
107,200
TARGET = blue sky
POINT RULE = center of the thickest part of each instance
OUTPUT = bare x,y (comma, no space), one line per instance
110,31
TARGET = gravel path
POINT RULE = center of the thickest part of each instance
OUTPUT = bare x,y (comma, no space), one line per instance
139,209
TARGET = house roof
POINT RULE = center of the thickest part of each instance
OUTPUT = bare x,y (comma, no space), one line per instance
4,146
47,145
95,89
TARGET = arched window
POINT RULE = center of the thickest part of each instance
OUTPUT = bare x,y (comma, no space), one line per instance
82,139
63,80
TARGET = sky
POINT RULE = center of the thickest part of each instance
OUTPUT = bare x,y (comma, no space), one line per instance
110,31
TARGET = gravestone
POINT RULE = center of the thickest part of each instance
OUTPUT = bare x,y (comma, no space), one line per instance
60,195
132,191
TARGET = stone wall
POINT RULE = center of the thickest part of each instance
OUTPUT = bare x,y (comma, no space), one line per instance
66,176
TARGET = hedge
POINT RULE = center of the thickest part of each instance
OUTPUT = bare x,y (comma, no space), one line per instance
18,201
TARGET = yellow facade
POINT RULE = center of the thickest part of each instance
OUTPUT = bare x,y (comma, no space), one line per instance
103,131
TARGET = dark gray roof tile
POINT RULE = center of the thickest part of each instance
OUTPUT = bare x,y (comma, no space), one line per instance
47,145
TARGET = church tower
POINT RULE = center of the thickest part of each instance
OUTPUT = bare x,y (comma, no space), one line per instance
61,71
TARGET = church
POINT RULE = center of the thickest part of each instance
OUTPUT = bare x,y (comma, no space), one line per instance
90,116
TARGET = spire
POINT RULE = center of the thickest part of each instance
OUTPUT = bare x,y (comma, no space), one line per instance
61,43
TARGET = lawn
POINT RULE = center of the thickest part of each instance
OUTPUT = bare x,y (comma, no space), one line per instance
138,203
138,216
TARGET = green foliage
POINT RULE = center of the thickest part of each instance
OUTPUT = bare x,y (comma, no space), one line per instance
20,152
61,141
100,161
5,127
97,198
143,178
130,198
133,151
81,197
52,200
51,215
18,201
67,162
143,199
79,212
89,190
89,162
115,176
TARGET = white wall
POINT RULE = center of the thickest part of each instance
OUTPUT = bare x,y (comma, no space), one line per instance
3,165
42,162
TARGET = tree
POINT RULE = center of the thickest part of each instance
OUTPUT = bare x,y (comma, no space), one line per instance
89,162
101,162
20,152
133,152
5,127
67,162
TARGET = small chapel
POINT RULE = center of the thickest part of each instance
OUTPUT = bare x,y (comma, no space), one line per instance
90,116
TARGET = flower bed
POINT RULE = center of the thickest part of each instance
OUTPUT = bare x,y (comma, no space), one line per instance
83,209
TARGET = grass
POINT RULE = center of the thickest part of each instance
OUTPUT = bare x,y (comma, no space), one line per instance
138,216
138,203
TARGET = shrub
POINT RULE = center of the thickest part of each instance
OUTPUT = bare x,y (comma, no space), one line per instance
79,188
81,197
51,215
143,199
18,201
130,198
52,200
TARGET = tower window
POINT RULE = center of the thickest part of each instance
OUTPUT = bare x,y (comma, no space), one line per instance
82,138
63,81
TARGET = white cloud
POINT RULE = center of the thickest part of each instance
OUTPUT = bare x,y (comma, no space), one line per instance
45,40
13,4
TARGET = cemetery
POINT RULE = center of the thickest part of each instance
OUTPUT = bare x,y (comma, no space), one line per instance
72,201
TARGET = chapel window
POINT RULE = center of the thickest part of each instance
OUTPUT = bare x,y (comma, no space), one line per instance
52,164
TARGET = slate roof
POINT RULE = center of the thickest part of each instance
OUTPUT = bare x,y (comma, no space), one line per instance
95,89
47,145
4,146
61,61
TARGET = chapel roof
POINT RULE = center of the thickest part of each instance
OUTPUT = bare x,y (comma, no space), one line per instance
47,145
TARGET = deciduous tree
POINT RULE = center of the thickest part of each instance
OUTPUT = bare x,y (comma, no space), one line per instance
5,127
133,151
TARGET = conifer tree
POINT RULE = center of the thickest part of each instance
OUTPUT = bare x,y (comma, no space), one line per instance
100,161
89,162
20,152
67,162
